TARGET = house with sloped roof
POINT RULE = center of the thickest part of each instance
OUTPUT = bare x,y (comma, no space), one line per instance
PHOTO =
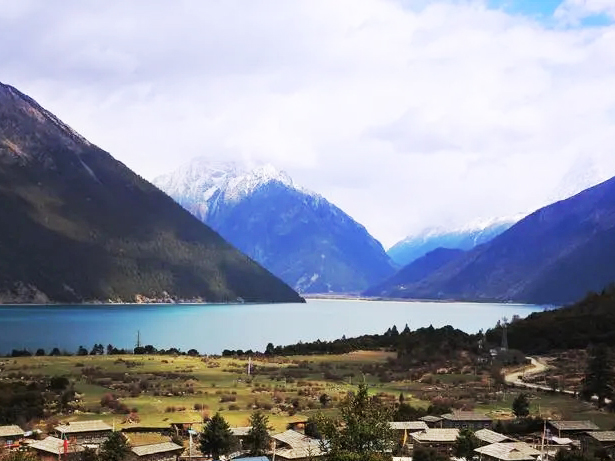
466,420
603,441
507,451
487,437
441,440
572,429
293,445
51,448
84,432
431,420
164,451
10,435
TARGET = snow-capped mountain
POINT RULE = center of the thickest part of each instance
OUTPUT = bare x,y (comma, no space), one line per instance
295,233
464,238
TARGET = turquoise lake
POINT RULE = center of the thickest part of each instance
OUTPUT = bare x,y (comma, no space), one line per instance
210,328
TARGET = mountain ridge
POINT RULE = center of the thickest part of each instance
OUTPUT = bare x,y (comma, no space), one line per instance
553,256
78,226
463,237
296,233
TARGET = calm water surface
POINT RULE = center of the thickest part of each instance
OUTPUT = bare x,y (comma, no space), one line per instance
211,328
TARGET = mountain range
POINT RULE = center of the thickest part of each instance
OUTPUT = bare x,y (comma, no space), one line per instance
297,234
78,226
464,238
553,256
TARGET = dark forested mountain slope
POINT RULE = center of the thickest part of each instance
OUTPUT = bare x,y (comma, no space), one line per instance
78,226
414,272
553,256
295,233
587,322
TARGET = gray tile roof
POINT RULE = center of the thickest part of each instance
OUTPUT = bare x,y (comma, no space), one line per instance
430,419
55,446
466,416
11,431
603,436
154,448
574,425
83,426
436,435
296,439
511,451
408,425
489,436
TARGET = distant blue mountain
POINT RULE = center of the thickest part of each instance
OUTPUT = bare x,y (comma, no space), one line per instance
464,238
555,255
296,234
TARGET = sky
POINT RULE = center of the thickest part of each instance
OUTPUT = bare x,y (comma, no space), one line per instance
406,114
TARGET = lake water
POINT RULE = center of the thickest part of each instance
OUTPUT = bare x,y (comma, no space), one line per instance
211,328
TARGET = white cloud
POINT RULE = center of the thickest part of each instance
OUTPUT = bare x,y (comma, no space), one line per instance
404,115
574,11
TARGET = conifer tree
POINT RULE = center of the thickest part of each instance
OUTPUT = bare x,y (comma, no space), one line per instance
599,375
216,438
257,440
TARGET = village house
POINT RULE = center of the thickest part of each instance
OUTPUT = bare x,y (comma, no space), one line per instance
466,420
441,440
51,448
165,451
239,435
10,435
403,429
84,432
487,437
598,441
432,421
293,445
507,451
571,429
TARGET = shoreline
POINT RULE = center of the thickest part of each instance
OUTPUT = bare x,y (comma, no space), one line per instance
348,297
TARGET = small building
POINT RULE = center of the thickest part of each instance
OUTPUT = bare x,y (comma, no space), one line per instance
84,432
509,451
598,440
432,421
51,448
403,429
487,437
239,435
293,445
10,435
466,420
165,451
408,426
441,440
571,429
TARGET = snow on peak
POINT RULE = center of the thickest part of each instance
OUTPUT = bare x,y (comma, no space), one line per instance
475,226
204,184
245,183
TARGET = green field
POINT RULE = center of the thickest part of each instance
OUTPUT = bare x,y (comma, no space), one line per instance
156,390
286,389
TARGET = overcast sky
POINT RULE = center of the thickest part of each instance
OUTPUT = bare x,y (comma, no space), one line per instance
405,113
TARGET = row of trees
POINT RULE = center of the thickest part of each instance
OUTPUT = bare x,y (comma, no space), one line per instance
99,349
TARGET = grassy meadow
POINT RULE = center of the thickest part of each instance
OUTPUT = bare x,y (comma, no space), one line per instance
155,390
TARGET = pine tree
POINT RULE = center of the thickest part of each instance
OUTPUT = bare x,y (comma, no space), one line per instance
115,448
257,440
521,406
599,375
363,429
465,444
216,438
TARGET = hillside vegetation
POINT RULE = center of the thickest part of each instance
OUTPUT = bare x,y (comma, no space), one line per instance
78,226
